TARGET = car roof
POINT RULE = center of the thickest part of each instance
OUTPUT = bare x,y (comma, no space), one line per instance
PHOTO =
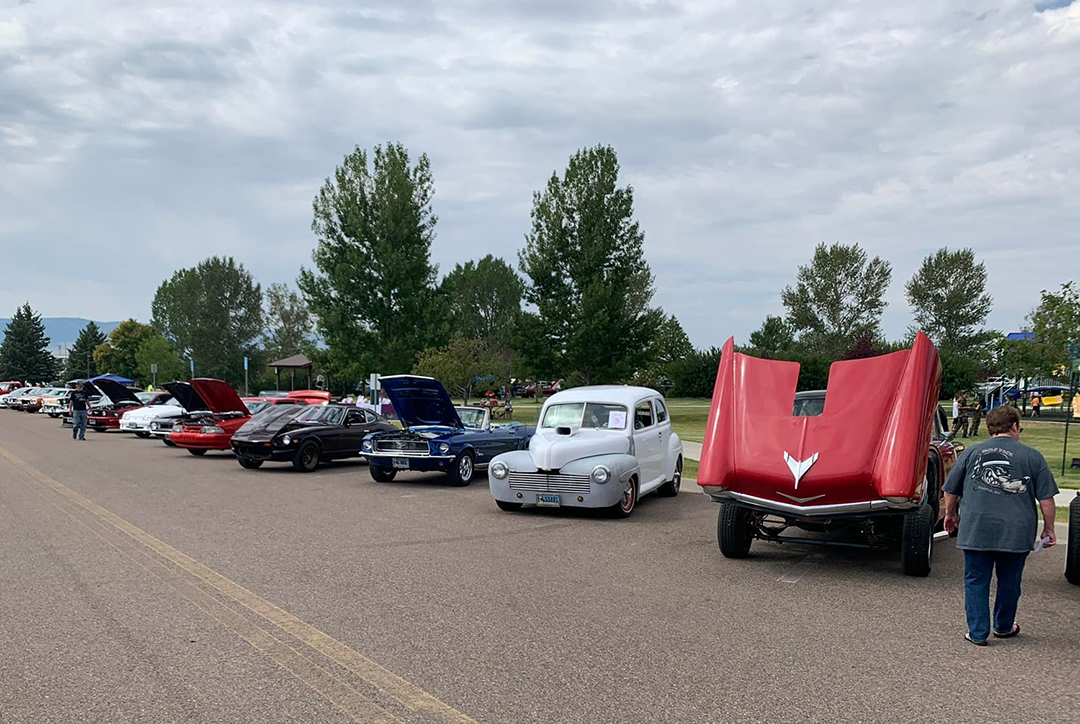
809,394
619,394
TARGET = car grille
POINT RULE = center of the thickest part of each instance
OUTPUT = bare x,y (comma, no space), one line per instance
550,483
402,447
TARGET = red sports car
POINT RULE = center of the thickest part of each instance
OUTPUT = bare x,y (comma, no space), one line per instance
121,399
860,464
214,413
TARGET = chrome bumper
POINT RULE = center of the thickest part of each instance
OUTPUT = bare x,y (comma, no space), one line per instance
811,511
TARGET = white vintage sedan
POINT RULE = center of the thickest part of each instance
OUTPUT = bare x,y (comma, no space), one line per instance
594,447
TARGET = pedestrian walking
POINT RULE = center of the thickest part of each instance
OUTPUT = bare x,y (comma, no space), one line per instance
992,498
1036,403
79,403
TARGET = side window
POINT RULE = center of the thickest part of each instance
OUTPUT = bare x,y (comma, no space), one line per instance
369,417
661,411
643,416
354,417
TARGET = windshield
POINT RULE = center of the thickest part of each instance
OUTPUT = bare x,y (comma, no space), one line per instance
585,414
809,406
471,417
322,415
256,406
145,397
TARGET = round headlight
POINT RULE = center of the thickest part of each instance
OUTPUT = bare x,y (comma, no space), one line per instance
366,444
499,469
286,440
444,447
154,426
178,427
600,474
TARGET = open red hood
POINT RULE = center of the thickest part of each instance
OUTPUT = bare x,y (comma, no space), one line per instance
871,441
219,396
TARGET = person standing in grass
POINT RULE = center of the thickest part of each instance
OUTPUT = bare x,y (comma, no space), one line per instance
992,498
1036,403
975,418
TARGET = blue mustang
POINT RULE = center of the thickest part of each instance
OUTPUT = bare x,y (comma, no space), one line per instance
437,435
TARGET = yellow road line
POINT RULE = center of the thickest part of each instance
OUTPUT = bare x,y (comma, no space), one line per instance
405,692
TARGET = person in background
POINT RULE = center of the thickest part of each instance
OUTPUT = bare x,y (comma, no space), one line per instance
956,413
960,427
975,417
1036,403
996,490
78,403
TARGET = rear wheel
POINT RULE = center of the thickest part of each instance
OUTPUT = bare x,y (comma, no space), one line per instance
380,474
508,506
917,541
1072,551
671,488
248,463
196,452
626,503
307,457
734,530
463,470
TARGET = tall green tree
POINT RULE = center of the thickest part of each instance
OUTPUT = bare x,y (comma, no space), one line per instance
837,298
949,300
288,322
80,361
212,314
373,286
117,355
1056,324
587,275
156,350
669,345
464,365
24,353
773,338
483,298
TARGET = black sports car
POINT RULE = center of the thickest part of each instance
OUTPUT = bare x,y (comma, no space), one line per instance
305,436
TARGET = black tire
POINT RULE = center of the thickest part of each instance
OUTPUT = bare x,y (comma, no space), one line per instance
503,505
917,541
463,470
1072,550
625,507
307,457
53,415
380,474
143,435
671,488
196,452
734,530
168,442
248,463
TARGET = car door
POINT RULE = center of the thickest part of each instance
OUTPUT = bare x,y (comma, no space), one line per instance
663,426
348,435
647,445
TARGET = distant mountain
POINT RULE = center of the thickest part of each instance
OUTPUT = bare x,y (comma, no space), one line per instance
63,331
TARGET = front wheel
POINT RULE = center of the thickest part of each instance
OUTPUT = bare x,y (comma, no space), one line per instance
1072,550
671,488
380,474
917,541
53,415
626,503
248,463
168,442
734,530
196,452
143,435
504,505
307,457
463,470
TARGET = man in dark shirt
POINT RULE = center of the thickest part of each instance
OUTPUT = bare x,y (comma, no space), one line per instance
79,403
993,494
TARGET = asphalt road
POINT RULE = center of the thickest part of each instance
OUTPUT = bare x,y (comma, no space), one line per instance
141,584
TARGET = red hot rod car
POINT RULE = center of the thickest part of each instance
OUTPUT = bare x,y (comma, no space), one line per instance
866,459
214,413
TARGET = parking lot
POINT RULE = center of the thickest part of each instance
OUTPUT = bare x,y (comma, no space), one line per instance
142,584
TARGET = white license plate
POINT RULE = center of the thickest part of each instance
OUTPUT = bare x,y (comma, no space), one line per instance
548,500
401,463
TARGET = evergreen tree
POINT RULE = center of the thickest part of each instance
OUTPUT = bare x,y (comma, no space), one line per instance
24,353
80,361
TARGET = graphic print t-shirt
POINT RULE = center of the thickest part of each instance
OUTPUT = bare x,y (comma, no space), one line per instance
1000,481
78,401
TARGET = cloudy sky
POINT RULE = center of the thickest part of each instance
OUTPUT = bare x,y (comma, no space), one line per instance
137,137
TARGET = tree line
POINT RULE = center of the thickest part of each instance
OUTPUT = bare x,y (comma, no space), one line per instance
576,303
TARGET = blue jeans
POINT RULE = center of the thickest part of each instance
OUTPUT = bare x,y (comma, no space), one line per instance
78,424
978,569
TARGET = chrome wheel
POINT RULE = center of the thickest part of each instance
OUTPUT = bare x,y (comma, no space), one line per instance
629,496
465,468
677,480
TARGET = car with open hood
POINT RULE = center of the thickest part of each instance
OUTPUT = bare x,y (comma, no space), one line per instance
116,401
862,464
306,436
437,436
214,412
153,421
601,446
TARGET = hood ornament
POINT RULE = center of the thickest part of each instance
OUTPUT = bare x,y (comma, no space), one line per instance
799,467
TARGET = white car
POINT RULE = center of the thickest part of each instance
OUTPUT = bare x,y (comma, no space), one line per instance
595,447
56,403
156,420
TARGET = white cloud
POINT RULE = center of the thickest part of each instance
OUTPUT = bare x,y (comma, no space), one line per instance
161,133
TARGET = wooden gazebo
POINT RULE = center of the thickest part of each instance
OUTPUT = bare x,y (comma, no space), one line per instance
292,364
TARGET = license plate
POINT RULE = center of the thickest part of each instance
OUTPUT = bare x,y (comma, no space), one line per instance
401,463
548,500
